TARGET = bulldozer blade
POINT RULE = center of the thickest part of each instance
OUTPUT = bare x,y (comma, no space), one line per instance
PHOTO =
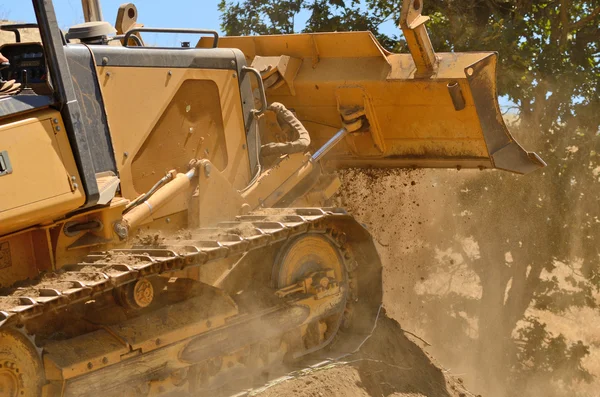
446,119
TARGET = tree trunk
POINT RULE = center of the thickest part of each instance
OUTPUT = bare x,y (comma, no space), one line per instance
491,360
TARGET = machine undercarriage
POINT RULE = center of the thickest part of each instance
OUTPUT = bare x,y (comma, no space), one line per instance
122,310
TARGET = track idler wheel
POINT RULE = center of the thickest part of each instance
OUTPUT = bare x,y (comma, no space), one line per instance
309,254
21,369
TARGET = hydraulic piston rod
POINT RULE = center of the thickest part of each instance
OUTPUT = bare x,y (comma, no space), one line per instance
163,195
329,144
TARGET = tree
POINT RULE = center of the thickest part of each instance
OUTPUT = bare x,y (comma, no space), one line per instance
550,70
261,17
553,76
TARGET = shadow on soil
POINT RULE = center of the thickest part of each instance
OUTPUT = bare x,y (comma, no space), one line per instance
390,363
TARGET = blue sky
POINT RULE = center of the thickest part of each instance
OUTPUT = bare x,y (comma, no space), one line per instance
163,13
152,13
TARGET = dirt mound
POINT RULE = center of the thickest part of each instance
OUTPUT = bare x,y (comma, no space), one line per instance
388,364
398,207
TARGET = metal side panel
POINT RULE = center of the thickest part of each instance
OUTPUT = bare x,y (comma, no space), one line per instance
66,100
153,57
39,179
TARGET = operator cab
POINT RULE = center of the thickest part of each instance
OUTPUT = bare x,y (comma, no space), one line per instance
26,66
81,74
26,59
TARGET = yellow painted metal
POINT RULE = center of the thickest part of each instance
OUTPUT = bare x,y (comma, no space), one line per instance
145,108
65,360
44,183
278,180
146,210
326,188
415,33
215,192
21,368
420,109
308,254
18,259
26,253
413,119
93,350
68,249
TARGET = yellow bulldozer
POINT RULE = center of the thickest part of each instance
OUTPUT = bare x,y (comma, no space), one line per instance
164,212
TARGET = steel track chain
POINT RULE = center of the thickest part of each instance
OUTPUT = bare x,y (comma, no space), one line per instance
101,272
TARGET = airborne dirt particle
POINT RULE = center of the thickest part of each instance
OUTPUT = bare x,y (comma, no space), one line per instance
398,207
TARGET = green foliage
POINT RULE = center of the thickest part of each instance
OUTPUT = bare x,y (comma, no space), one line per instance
249,17
550,69
554,296
543,356
259,16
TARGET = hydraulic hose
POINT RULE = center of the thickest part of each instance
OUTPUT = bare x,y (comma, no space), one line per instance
284,116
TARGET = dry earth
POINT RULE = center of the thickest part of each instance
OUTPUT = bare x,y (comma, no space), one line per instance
398,206
394,205
388,364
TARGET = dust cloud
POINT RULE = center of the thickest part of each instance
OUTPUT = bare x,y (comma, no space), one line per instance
399,208
405,211
430,286
388,364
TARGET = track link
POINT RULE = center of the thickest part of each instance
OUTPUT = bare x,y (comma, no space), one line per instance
101,272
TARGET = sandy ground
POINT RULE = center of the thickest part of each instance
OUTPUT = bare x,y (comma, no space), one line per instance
393,205
388,364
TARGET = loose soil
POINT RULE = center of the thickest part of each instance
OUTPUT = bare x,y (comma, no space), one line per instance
394,205
388,364
401,209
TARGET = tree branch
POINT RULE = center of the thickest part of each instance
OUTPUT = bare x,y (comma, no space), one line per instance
564,21
584,21
521,292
